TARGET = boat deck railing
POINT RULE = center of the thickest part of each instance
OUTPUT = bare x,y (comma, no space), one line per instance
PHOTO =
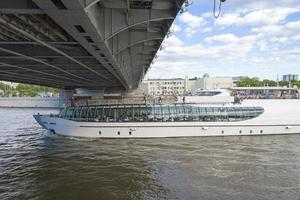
125,101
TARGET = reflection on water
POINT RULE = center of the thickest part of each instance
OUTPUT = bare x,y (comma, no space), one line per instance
37,165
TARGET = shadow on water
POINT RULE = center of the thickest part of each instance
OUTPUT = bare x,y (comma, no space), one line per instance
35,164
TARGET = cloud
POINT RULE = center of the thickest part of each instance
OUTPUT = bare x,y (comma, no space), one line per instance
191,20
258,37
261,4
282,34
225,38
206,30
176,28
224,47
192,23
251,5
256,18
176,69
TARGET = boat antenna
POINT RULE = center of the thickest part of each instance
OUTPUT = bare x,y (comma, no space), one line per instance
217,14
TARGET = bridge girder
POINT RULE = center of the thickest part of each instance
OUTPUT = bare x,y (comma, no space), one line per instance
94,43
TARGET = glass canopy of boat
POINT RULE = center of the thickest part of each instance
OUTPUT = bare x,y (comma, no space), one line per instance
162,113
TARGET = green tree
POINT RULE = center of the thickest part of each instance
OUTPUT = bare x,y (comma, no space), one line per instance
284,83
32,90
269,83
295,83
2,86
27,90
249,82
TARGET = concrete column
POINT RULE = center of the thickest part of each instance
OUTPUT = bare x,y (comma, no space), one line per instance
94,94
65,96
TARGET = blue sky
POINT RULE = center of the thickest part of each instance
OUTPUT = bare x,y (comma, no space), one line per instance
258,38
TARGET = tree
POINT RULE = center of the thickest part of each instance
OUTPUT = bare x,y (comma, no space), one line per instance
32,90
27,90
295,83
2,86
269,83
249,82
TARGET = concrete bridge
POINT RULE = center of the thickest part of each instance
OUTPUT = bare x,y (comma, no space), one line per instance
95,44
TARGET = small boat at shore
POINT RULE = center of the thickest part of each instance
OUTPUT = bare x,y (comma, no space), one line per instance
251,117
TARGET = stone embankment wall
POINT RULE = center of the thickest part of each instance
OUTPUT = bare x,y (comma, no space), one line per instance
31,102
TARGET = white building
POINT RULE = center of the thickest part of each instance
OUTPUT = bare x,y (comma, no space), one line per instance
220,82
180,86
164,86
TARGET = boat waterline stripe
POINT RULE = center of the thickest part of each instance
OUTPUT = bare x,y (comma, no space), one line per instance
189,126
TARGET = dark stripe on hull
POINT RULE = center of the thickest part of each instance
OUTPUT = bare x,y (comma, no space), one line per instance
200,126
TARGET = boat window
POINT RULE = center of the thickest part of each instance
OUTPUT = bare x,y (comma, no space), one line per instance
121,115
241,112
112,116
216,111
180,113
202,111
173,111
91,113
77,112
157,113
129,113
63,112
231,113
206,93
166,113
144,113
209,111
105,113
188,114
137,114
188,110
69,114
99,113
195,110
84,113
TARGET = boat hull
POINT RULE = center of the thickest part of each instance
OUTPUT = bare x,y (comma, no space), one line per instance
160,129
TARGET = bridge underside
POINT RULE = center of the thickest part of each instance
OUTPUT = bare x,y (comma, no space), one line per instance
96,44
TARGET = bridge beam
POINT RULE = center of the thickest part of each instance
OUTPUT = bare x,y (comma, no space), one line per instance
96,43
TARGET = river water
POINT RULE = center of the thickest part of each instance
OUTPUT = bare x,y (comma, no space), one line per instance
35,164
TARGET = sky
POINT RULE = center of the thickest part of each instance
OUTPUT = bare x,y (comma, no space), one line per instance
256,38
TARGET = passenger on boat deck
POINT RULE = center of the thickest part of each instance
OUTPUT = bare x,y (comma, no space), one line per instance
145,99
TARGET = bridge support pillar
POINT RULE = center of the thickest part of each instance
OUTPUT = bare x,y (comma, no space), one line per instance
65,96
94,94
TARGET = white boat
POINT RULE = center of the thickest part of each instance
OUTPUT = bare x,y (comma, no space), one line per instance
252,117
217,96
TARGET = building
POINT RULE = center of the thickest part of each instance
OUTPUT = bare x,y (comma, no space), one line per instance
179,86
164,86
220,82
290,77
